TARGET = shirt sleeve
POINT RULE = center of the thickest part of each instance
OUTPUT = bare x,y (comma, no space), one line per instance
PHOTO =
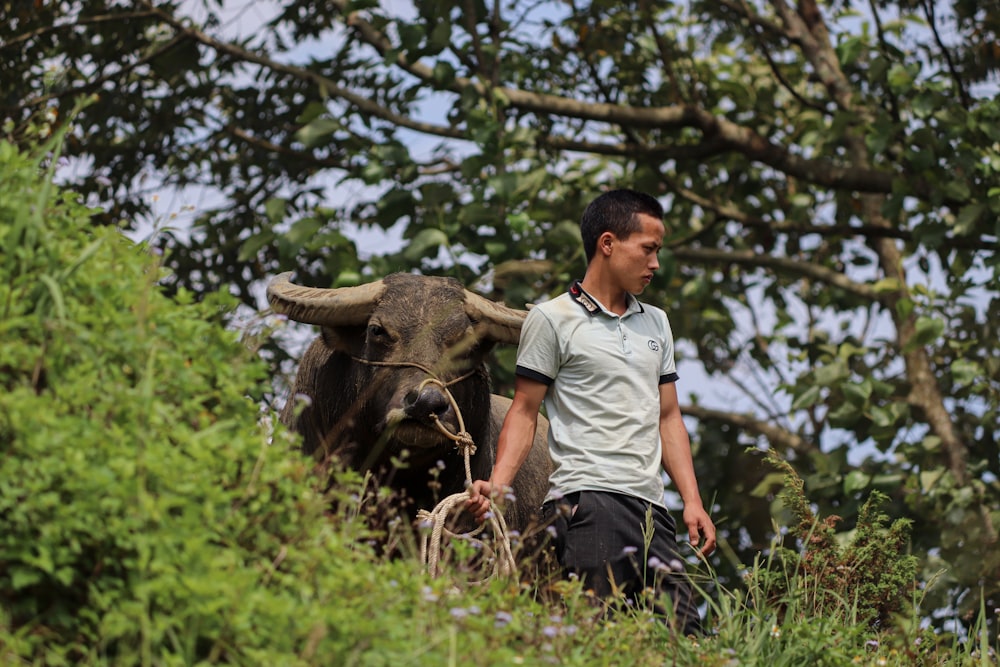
668,368
538,349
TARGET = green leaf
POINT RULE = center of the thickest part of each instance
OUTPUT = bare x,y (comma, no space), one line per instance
771,483
968,216
845,415
928,330
443,73
316,131
901,78
303,230
274,209
424,241
831,374
807,398
250,247
965,371
856,481
849,49
857,393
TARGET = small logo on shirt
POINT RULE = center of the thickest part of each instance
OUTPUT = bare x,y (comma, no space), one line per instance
653,345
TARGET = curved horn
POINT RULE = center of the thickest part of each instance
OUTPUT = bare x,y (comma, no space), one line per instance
502,324
342,306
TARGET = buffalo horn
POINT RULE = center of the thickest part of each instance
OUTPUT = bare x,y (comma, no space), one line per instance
502,324
341,306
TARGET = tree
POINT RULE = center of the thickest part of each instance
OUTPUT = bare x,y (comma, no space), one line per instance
830,170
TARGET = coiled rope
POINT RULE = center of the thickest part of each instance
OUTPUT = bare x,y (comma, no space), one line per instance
436,519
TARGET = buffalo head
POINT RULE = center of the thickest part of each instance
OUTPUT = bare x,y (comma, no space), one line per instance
374,376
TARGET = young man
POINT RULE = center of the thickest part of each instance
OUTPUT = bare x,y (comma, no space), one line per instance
603,363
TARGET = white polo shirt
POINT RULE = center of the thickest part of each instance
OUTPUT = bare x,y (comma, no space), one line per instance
603,403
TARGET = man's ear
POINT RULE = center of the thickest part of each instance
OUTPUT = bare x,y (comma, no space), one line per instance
605,242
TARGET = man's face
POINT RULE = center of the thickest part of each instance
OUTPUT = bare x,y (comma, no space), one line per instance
635,258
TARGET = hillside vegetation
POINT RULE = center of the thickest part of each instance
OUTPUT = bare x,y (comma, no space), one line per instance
151,514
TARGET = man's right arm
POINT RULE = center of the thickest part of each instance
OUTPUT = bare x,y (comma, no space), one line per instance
513,445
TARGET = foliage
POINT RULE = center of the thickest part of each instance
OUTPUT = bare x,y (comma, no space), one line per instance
864,581
830,170
152,517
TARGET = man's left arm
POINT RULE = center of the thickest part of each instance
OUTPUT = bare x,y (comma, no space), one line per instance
677,461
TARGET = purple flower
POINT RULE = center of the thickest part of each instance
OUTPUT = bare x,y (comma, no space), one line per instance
501,619
550,631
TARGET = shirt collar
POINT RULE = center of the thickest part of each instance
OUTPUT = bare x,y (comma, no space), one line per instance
593,306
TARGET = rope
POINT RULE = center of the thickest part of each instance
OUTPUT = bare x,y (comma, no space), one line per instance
430,543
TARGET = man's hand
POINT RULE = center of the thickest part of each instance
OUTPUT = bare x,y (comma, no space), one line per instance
700,524
481,492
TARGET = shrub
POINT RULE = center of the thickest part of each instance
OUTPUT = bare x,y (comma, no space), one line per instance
860,579
146,513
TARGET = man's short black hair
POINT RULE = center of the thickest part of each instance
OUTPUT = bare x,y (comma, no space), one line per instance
617,212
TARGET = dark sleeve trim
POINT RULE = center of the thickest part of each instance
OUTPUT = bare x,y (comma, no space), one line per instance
669,377
533,375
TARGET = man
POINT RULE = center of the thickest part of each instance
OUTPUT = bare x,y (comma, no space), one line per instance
603,364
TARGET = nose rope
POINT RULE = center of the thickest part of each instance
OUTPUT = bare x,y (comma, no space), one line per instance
430,543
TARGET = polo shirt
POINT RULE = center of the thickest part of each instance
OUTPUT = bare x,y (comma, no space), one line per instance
603,373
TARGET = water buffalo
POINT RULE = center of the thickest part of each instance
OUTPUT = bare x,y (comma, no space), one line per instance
372,376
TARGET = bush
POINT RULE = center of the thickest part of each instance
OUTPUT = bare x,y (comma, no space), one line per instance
147,516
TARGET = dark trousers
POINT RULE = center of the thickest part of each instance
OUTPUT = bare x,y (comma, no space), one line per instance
601,537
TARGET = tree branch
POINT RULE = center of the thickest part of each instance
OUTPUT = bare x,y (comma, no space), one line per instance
781,265
323,83
776,436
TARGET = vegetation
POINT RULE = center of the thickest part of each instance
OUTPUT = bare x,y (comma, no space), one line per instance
830,168
152,515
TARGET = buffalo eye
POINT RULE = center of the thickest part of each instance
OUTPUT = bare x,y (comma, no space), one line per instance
377,333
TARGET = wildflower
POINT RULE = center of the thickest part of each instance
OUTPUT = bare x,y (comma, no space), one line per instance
881,661
628,551
570,630
550,631
775,632
305,400
676,565
872,643
458,613
429,595
440,464
501,619
551,530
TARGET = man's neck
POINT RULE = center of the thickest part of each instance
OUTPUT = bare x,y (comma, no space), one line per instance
615,300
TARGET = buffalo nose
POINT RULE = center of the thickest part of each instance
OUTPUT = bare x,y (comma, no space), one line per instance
422,403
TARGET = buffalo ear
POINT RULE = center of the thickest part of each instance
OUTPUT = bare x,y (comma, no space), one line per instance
348,340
